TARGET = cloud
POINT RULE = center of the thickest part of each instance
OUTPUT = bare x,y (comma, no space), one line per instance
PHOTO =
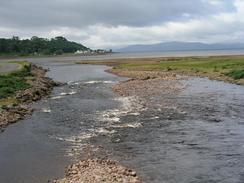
80,13
113,23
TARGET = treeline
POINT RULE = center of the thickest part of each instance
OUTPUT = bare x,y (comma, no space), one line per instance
38,46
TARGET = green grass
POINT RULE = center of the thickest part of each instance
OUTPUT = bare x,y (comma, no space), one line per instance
227,68
236,74
21,63
203,65
211,65
15,81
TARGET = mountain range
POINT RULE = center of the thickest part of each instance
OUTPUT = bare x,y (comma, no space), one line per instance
180,46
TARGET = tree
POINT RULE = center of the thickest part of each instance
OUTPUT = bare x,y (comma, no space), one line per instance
36,45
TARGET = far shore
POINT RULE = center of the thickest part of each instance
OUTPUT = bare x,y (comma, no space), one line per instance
222,68
125,55
2,57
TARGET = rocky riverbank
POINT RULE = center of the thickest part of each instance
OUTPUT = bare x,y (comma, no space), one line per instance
150,87
40,86
97,166
99,170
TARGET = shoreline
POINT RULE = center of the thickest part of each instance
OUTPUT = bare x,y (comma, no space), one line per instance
173,65
98,170
51,56
40,87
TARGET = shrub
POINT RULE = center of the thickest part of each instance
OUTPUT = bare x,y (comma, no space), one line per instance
236,74
13,82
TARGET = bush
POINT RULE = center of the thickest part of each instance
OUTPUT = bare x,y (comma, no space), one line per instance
169,69
13,82
236,74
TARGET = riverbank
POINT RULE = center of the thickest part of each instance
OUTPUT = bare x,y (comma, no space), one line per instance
97,166
64,55
99,170
223,68
21,88
151,77
157,82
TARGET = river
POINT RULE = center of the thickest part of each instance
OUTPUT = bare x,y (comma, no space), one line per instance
203,145
37,149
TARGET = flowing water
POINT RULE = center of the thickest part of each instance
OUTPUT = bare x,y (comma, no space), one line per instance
37,149
197,139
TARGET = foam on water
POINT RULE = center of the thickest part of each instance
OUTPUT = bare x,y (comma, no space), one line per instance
111,119
72,93
114,115
46,110
56,97
155,117
128,125
95,82
69,93
76,139
134,113
128,106
102,131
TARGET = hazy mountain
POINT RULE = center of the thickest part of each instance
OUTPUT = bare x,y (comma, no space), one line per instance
180,46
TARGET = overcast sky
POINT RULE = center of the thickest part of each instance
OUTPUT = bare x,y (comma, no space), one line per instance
116,23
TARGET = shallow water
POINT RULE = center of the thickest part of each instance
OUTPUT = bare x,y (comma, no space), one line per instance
202,144
37,149
197,139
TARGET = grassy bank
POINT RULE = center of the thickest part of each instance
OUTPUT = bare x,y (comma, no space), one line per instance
226,68
12,82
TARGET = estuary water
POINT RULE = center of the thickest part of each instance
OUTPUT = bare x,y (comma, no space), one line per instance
201,143
37,149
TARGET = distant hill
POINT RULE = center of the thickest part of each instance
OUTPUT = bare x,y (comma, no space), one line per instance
38,46
180,46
